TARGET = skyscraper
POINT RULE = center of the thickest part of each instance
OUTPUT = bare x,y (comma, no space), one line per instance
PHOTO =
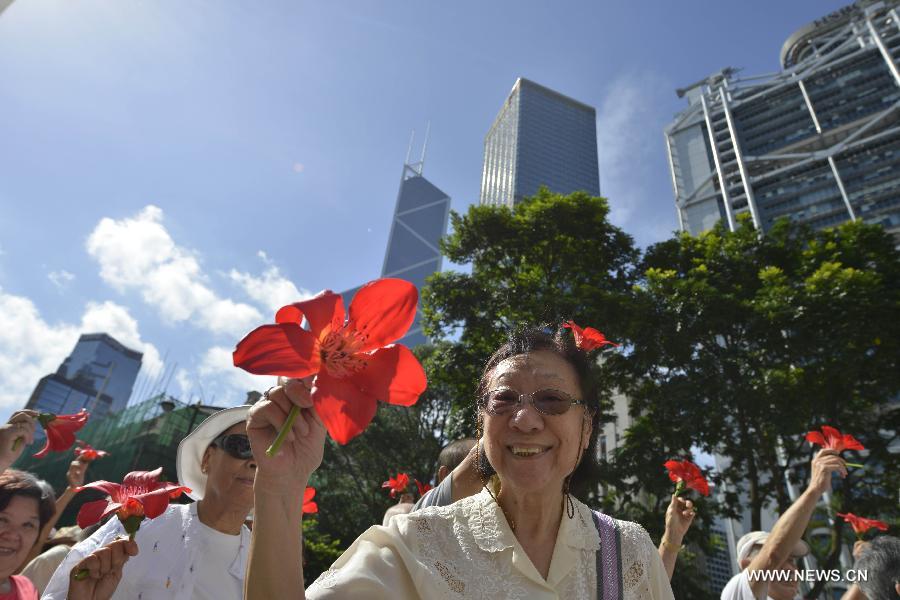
818,142
98,375
540,137
420,220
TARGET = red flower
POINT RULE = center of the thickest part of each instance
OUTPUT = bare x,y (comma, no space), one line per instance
588,338
60,431
86,453
140,495
687,474
397,484
309,507
423,487
833,439
861,524
353,364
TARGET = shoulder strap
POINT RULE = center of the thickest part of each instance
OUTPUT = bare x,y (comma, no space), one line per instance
609,558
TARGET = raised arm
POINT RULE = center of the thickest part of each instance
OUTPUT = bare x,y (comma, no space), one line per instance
275,569
679,517
20,425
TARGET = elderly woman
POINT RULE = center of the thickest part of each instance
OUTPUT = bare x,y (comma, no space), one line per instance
522,536
25,506
196,550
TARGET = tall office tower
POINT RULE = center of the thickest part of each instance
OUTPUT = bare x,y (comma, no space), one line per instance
818,142
420,220
539,138
98,375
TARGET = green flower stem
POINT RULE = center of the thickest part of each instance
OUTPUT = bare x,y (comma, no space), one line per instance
18,443
859,466
679,487
282,433
80,575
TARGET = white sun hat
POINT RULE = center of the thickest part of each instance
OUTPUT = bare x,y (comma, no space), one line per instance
750,540
192,447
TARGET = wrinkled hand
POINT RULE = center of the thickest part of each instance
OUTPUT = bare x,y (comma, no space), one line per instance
825,463
76,472
301,452
104,570
21,425
679,516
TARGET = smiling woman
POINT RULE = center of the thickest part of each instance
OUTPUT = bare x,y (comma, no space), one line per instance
24,508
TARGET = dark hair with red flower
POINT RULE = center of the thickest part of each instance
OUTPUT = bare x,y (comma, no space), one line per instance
19,483
558,340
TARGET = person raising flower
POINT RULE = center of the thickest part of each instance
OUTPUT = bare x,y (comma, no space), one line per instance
522,536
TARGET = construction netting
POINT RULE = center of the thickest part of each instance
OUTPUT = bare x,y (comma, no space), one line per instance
142,437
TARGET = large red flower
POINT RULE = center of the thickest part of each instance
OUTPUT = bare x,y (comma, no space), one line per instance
397,484
687,474
86,453
832,439
309,506
588,338
140,495
60,431
861,524
353,363
422,487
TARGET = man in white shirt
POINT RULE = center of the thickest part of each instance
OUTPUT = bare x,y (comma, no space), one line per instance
769,559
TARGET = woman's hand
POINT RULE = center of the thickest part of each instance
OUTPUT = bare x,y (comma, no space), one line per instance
679,517
301,452
21,425
75,474
104,570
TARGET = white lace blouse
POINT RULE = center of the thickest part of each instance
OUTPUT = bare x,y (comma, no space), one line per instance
467,550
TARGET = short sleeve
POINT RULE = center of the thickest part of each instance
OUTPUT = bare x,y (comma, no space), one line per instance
376,566
738,588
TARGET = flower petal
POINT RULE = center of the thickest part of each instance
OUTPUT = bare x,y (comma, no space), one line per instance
91,512
851,443
326,309
285,349
383,311
143,480
154,503
107,487
393,375
344,409
832,437
814,437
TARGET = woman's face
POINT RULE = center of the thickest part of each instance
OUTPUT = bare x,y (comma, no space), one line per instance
19,527
531,451
229,479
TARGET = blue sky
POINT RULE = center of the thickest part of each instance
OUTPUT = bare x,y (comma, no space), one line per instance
172,171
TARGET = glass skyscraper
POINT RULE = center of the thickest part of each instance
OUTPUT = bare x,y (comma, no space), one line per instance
540,137
98,375
420,220
818,142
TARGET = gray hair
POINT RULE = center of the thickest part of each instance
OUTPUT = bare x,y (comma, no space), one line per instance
881,561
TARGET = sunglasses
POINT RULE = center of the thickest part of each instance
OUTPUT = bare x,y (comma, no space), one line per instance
237,445
547,402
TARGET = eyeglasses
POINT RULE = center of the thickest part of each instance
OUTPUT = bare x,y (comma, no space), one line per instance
547,402
237,445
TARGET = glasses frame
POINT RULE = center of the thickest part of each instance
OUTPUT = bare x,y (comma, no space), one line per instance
483,401
219,442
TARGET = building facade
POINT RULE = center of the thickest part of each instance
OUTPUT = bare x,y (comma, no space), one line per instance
817,142
413,252
539,138
98,375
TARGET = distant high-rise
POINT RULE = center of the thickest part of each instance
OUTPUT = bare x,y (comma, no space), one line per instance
413,254
98,375
818,142
540,138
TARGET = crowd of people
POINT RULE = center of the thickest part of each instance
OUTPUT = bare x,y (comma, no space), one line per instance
501,522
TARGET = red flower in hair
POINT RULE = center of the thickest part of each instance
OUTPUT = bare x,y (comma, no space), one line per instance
422,487
86,453
309,506
60,431
588,338
140,495
352,361
832,439
397,484
861,524
687,474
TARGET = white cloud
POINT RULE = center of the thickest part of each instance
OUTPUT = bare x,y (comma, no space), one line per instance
30,347
298,167
61,278
216,367
271,289
631,153
137,253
